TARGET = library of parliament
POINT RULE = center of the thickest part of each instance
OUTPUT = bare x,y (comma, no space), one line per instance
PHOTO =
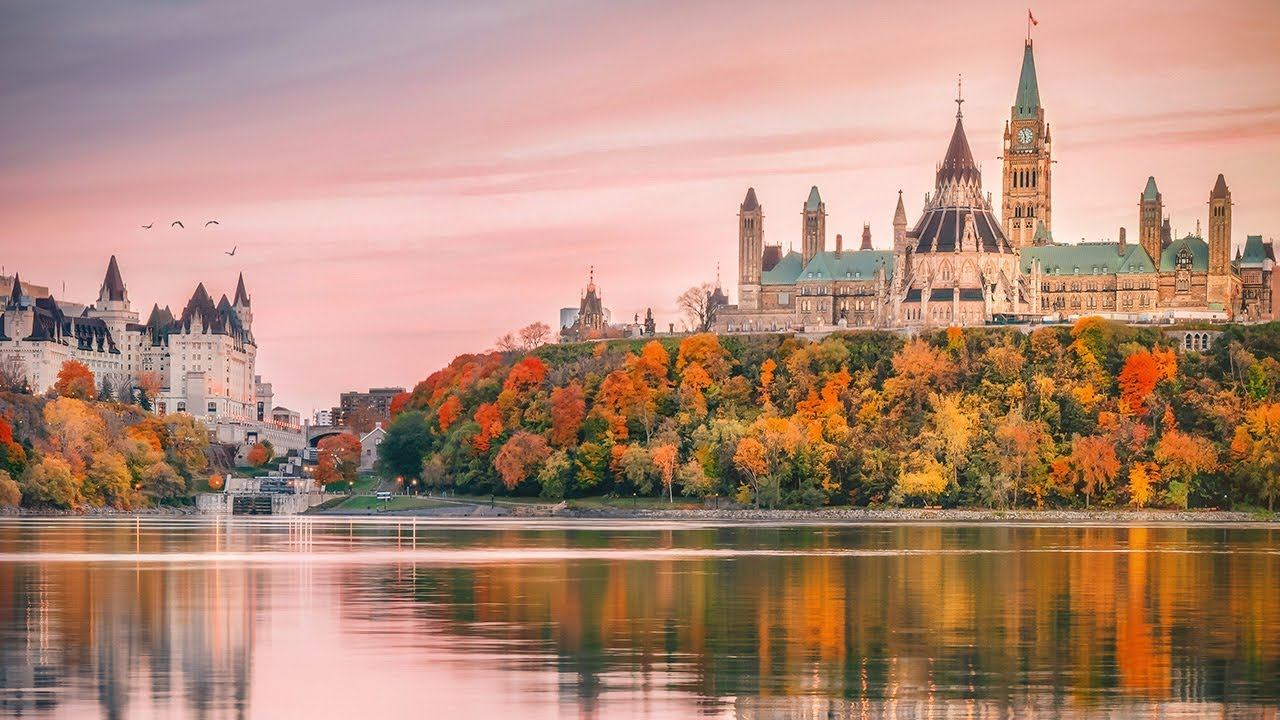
961,265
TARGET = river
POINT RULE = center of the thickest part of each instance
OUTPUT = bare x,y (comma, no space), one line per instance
363,619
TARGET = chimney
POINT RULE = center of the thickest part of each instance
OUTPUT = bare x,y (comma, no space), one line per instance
839,245
866,236
1122,247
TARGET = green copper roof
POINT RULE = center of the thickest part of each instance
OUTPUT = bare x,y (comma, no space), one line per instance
860,265
1151,193
785,272
1027,103
1042,236
814,199
1087,259
1254,250
1199,254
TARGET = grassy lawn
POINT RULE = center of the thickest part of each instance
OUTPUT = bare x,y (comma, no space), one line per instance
364,484
399,502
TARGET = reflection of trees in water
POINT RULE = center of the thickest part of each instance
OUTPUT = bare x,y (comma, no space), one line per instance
1013,627
155,635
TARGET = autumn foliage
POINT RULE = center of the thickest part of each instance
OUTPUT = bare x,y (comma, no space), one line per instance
259,455
1098,414
75,380
337,459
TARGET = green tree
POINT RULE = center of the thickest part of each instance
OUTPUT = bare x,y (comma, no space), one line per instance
407,441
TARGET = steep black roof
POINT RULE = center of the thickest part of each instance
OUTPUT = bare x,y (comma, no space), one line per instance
113,284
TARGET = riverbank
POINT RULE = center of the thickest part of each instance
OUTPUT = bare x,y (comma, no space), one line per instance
828,515
463,510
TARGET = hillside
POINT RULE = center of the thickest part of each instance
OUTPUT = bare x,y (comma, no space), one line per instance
1098,414
64,452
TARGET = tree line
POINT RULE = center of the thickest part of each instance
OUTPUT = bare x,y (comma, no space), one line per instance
1095,414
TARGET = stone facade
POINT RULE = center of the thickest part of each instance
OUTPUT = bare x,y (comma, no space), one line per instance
959,265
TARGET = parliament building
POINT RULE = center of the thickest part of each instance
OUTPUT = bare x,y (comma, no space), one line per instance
960,264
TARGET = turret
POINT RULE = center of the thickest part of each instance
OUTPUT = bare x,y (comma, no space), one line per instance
1151,211
750,250
1219,289
814,227
241,304
899,226
866,237
1026,199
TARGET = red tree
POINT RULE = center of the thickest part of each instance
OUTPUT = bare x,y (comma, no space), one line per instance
75,380
338,459
449,411
568,408
520,457
490,422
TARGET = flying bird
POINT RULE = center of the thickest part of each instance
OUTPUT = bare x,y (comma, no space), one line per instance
212,222
178,223
233,251
147,227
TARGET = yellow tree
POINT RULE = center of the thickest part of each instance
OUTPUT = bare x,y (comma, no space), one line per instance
953,424
924,477
1256,447
751,462
1181,457
1141,478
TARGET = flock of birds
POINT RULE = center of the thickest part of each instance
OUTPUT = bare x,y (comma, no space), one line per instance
178,224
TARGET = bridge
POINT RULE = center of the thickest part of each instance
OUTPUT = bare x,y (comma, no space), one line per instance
316,433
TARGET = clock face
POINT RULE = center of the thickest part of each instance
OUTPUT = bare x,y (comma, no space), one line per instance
1025,136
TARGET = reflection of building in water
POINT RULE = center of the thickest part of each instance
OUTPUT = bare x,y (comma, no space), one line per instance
142,641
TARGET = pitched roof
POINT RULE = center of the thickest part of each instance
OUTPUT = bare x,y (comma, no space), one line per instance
750,203
900,213
1220,188
866,237
1042,236
941,228
1101,258
860,265
112,284
785,272
1199,253
1151,192
771,257
1255,252
958,164
814,201
1027,103
242,296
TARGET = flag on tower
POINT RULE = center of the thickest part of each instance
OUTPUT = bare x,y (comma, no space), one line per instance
1031,17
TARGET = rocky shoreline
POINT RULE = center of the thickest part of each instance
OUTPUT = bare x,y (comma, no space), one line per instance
825,515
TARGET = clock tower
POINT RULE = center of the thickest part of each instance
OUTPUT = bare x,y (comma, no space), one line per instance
1026,195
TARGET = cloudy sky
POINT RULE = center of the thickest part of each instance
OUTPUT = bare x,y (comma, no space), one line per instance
406,180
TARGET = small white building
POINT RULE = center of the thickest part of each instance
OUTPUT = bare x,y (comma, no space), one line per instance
369,447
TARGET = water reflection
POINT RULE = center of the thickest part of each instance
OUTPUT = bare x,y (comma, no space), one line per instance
234,618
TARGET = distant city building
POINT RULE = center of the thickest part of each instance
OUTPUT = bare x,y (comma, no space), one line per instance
960,265
323,418
376,402
285,416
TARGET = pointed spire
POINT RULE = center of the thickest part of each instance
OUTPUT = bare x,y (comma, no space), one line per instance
1220,188
959,95
866,236
242,296
814,201
15,293
112,284
1151,192
750,203
1026,105
900,214
958,164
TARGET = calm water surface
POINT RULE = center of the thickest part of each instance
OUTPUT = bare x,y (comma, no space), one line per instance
236,618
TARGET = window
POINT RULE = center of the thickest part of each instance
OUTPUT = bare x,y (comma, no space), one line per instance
182,406
213,408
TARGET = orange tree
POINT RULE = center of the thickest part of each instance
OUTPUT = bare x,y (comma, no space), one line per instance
75,380
338,459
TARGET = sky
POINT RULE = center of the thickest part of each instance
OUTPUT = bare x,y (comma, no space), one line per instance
404,180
